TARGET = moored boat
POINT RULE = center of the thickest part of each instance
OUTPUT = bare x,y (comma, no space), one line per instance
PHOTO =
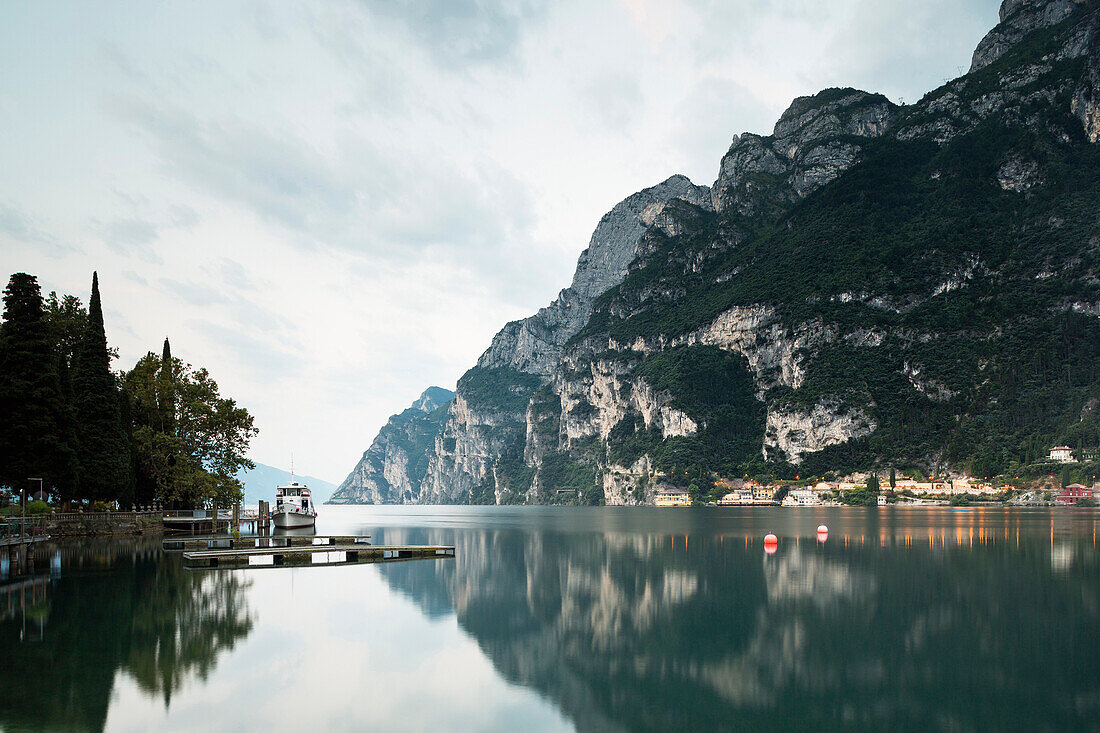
293,507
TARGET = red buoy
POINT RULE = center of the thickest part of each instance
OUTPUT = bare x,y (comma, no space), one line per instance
771,539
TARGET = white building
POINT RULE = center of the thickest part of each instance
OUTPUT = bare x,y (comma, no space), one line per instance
1061,454
802,497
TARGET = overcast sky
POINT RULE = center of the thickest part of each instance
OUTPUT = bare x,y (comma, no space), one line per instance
333,205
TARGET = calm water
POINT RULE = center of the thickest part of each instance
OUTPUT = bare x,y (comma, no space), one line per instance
593,619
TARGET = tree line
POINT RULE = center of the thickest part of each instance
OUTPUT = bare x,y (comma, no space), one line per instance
160,432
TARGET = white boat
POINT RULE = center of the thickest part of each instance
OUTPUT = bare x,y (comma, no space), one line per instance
293,507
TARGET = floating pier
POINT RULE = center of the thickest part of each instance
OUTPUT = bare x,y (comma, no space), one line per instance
222,542
355,553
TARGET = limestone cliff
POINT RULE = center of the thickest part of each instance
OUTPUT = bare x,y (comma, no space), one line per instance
391,470
534,345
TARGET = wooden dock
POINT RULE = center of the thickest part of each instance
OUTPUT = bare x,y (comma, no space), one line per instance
251,542
311,555
17,541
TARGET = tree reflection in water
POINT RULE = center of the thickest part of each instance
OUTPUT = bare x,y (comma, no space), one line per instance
647,631
117,606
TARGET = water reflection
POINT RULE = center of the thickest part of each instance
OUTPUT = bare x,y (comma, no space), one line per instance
615,619
982,621
111,606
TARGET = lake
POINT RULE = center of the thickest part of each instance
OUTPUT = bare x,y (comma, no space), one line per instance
578,618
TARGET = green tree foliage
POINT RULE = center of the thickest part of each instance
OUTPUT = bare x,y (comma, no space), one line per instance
34,439
189,440
862,496
102,442
715,389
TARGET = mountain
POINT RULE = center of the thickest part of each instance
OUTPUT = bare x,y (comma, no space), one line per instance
390,470
870,285
260,483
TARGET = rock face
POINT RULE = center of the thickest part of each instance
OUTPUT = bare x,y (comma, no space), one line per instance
1019,18
534,345
815,140
849,290
793,433
390,470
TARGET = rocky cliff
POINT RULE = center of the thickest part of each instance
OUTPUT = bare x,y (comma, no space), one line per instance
391,470
868,285
534,345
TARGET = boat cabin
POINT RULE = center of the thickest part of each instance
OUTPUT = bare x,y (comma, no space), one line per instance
294,494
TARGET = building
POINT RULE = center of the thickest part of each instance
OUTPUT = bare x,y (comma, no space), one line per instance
762,494
1073,493
802,497
738,497
1061,454
672,497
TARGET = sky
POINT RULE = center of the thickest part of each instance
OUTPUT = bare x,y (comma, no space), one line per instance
334,205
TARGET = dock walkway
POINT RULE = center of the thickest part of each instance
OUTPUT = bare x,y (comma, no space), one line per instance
248,542
337,554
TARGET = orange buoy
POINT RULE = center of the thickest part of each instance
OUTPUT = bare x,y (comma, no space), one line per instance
822,529
770,539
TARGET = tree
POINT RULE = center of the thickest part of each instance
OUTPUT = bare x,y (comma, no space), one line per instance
166,389
33,437
192,455
893,479
66,320
103,449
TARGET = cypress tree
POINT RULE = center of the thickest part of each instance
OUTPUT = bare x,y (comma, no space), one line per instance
103,451
33,439
166,390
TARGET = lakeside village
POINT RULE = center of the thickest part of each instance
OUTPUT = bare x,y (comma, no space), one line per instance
893,488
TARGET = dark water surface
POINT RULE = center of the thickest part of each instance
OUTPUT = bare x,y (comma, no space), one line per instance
596,619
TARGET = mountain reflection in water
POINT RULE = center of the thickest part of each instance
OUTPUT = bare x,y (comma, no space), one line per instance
964,625
605,619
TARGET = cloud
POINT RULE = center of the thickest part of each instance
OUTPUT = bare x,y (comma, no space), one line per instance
262,359
134,277
137,235
20,228
615,98
360,198
463,31
194,293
